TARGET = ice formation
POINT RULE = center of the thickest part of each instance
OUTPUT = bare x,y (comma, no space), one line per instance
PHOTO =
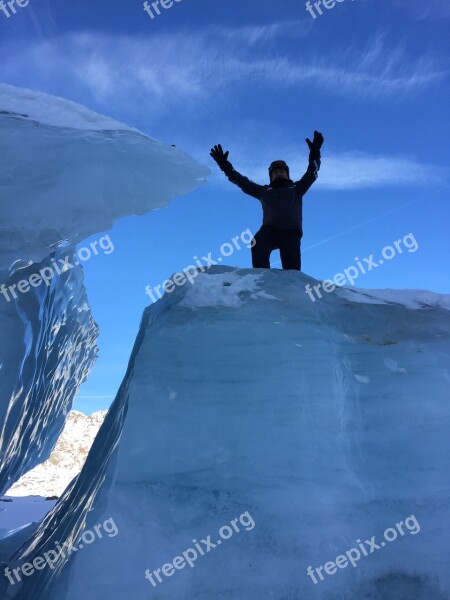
326,422
66,173
290,431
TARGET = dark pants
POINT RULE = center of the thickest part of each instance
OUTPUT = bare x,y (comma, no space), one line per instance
286,240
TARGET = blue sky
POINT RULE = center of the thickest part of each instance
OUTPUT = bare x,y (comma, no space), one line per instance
258,77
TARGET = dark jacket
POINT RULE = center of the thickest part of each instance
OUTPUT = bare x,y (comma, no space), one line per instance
281,200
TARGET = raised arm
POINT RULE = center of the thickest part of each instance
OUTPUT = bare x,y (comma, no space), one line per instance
311,174
249,187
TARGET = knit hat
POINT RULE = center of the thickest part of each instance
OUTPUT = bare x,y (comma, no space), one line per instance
278,164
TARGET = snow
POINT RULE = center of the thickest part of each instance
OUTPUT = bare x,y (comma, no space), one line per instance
45,109
408,298
222,290
251,404
393,366
67,459
17,513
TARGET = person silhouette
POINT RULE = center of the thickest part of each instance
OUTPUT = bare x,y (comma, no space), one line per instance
281,201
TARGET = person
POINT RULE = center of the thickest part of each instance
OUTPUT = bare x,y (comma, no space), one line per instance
281,202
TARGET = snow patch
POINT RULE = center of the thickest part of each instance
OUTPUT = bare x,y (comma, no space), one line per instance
223,290
53,476
37,106
393,366
408,298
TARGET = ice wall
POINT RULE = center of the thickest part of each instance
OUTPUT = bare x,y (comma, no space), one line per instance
327,421
48,346
65,173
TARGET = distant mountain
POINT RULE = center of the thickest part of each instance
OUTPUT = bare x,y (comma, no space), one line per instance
52,477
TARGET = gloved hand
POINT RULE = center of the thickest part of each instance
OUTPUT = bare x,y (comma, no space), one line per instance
314,151
220,157
317,142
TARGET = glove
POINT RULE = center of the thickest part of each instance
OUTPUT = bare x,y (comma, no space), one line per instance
220,157
317,142
315,146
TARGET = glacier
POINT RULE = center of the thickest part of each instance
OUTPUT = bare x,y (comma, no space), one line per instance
48,348
326,422
66,173
323,423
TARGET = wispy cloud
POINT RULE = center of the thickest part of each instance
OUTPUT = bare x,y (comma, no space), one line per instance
178,74
345,171
188,69
355,170
429,10
252,35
